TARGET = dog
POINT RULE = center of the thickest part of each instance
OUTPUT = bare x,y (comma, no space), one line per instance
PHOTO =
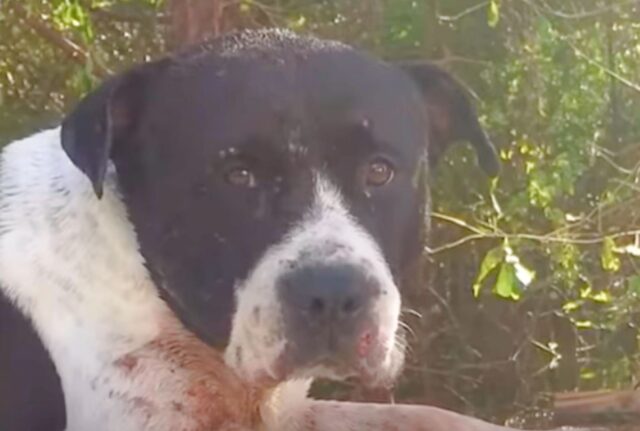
207,233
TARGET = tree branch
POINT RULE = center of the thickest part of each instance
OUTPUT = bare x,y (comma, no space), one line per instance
621,79
478,233
71,49
613,74
584,14
469,11
133,16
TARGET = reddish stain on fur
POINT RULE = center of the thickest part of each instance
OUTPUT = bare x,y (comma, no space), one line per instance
127,363
144,405
189,385
364,344
213,396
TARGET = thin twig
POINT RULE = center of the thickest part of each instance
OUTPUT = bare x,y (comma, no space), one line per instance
119,15
480,234
469,11
460,223
458,243
605,69
585,14
579,53
72,50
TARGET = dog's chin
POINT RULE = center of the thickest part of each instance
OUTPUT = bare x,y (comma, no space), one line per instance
379,368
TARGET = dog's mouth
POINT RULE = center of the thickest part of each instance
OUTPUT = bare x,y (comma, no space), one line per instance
372,359
280,342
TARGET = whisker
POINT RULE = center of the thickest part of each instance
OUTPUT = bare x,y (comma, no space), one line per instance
412,312
404,325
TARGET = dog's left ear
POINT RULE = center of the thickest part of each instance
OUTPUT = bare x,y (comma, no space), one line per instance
93,130
451,115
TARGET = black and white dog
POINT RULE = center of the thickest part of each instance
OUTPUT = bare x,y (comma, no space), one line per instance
265,191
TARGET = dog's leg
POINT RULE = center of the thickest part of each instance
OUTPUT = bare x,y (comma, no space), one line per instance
346,416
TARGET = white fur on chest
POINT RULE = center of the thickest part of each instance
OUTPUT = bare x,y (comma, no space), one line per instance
69,261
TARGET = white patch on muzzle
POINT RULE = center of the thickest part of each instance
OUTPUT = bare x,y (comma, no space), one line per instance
326,234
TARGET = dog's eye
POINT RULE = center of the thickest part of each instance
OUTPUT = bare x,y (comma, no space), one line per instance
240,176
379,172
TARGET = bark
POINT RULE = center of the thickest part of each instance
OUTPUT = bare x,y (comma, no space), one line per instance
192,21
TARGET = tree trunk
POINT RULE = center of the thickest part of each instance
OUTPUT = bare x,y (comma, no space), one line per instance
192,21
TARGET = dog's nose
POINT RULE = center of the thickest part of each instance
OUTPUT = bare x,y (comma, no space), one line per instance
326,295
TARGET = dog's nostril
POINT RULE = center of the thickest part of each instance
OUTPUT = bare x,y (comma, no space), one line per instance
317,306
350,306
326,294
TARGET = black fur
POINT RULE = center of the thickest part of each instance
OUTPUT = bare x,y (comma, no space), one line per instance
281,105
30,391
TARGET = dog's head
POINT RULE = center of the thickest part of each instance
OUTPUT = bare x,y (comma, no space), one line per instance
276,184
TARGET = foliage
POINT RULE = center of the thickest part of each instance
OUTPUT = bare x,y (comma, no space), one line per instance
537,285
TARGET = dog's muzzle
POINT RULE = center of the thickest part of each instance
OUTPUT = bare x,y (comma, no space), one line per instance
329,314
322,303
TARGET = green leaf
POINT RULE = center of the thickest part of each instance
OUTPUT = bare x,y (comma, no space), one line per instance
588,374
583,324
571,306
585,292
494,13
490,262
83,80
634,284
602,297
298,23
507,283
610,262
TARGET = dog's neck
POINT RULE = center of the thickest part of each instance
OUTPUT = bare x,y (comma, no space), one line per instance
69,262
68,259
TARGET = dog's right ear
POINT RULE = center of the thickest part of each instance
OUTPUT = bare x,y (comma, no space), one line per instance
452,116
92,130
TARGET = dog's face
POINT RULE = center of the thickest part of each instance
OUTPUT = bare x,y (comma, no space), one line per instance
277,188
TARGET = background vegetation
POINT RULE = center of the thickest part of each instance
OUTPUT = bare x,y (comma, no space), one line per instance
533,282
